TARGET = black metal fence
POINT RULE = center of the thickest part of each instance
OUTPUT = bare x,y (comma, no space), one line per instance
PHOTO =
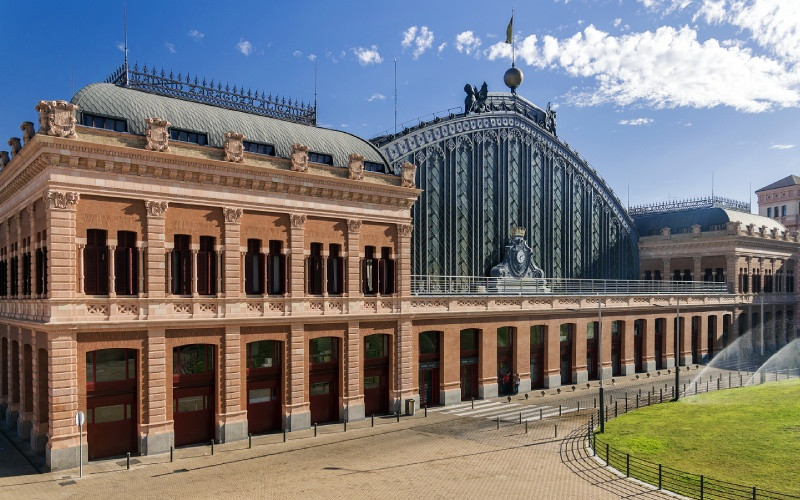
667,478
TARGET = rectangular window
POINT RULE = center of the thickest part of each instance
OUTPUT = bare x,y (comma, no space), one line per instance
276,269
537,335
335,271
373,382
564,333
110,365
95,263
182,265
591,330
263,354
320,158
255,268
369,272
26,273
323,350
469,340
314,270
126,264
190,403
769,211
429,343
193,359
264,395
376,346
113,413
504,337
258,148
783,211
14,276
386,269
371,166
207,267
104,122
41,271
3,275
319,389
186,136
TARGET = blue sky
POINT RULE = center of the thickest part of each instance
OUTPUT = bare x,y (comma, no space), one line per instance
658,95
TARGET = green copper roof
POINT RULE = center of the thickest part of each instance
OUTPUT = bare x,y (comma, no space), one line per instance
709,218
135,106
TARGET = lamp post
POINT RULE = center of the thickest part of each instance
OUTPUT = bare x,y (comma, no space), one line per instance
600,356
677,348
761,329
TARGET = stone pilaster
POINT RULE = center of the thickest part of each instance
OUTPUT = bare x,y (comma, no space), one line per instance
487,364
667,270
62,447
580,374
155,432
669,341
25,422
451,366
61,248
552,354
403,259
732,274
232,270
353,271
298,414
297,260
648,346
40,396
702,336
522,355
353,397
604,368
13,410
232,418
405,385
627,361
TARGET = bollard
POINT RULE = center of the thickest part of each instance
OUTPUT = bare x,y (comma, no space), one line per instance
626,402
315,429
397,414
740,380
595,403
594,448
660,395
212,447
592,421
129,460
616,409
556,430
718,383
249,441
702,487
345,426
426,412
171,452
648,399
637,402
373,416
579,406
540,414
729,379
627,465
497,420
284,434
707,386
684,388
659,476
559,410
607,460
473,402
754,493
526,427
695,388
520,417
673,392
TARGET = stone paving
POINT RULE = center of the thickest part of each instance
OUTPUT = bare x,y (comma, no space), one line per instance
443,455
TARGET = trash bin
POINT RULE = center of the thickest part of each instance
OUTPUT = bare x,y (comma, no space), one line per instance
411,407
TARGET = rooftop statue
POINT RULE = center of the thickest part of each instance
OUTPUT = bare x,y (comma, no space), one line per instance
475,102
550,120
518,259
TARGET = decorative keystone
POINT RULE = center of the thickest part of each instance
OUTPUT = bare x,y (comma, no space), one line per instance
234,147
157,134
299,157
355,166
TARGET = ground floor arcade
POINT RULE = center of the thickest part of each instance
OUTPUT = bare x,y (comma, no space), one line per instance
146,390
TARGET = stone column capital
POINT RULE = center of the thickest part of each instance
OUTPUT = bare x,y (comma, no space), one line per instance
59,200
297,221
233,215
353,226
405,230
156,208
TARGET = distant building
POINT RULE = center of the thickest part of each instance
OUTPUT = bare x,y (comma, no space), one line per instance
781,201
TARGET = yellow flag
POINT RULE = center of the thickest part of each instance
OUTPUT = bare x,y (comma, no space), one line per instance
509,30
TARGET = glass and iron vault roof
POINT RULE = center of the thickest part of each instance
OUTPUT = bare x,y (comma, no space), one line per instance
136,106
709,219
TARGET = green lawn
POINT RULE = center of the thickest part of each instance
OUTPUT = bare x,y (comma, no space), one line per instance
749,436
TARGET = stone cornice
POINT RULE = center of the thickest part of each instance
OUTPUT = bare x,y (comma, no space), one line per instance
262,175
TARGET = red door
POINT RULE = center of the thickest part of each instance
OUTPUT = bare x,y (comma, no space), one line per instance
659,351
637,346
537,366
591,357
469,380
616,353
193,393
324,397
263,405
566,362
111,380
376,390
429,384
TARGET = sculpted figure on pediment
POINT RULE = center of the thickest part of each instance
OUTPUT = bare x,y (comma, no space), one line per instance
4,159
299,157
16,145
355,164
234,147
57,118
408,173
27,132
157,134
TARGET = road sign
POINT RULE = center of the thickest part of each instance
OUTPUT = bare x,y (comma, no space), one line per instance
80,418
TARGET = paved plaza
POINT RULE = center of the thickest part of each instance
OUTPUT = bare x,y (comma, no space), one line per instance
452,452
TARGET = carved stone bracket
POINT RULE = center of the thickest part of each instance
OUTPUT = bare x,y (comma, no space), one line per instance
156,208
408,174
59,200
299,158
404,230
157,134
27,132
16,145
355,166
233,215
353,225
57,118
234,147
297,221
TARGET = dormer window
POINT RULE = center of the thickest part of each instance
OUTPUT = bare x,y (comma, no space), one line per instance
371,166
320,158
258,148
104,122
177,134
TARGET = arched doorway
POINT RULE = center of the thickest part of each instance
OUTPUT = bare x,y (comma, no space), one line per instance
376,374
264,386
429,362
711,336
638,334
323,390
616,349
659,343
505,360
111,410
591,349
566,339
193,396
537,356
470,339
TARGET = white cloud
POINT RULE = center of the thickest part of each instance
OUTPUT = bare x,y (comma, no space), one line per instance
367,56
245,47
666,6
376,97
498,50
782,146
120,46
773,24
197,36
441,47
635,122
421,38
297,53
667,68
526,50
170,47
312,57
617,22
467,42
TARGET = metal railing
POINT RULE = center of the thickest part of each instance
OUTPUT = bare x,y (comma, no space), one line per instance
684,483
481,285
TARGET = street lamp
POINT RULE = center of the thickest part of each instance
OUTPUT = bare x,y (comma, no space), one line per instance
600,360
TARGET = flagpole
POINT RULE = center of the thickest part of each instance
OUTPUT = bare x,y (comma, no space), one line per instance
513,52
